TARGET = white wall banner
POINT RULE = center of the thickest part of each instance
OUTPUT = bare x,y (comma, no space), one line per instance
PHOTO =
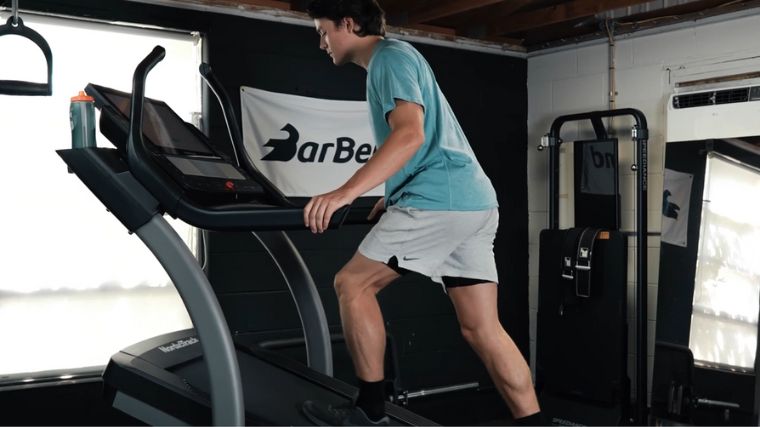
675,207
306,146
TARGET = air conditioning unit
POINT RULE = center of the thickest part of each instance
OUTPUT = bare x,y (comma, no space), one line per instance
727,112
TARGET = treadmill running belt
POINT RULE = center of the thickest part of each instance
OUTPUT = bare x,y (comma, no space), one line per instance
171,381
273,396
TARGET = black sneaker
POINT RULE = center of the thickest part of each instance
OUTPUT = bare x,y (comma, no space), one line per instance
347,414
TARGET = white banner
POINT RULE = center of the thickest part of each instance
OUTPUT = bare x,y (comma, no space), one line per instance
306,146
675,207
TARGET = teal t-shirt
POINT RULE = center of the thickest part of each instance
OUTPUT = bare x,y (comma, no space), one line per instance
444,174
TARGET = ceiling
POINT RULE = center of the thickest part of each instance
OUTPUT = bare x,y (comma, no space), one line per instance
523,25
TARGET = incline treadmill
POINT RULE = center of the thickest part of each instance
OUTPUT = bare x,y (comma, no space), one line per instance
168,166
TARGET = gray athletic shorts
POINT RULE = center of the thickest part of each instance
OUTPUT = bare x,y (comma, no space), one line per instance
453,248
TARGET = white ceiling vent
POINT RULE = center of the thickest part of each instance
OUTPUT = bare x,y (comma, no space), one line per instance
719,113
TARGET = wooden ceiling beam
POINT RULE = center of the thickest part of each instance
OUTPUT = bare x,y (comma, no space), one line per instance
505,40
692,11
433,29
488,15
396,7
698,7
448,8
269,4
562,12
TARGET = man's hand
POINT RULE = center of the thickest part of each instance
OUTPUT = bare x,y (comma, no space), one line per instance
407,136
379,207
319,210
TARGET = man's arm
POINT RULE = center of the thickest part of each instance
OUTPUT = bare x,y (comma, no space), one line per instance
406,137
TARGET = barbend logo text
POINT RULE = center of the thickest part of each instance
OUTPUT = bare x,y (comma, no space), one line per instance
178,345
343,150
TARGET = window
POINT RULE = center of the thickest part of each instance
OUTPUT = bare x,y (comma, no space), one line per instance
727,289
76,287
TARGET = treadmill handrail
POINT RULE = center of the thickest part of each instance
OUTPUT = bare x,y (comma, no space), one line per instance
236,137
251,217
228,407
311,311
172,199
138,155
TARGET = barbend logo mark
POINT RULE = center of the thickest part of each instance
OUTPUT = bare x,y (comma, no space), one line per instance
669,209
178,345
602,159
343,150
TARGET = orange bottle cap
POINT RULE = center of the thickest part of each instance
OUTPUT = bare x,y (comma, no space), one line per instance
82,97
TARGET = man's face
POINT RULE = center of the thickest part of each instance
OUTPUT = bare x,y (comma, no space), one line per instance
335,39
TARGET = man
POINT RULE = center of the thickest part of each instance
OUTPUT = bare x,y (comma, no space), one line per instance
441,215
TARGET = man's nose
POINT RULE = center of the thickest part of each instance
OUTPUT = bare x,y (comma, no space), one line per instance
322,45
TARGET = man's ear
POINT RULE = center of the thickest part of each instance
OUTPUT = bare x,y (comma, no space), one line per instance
351,24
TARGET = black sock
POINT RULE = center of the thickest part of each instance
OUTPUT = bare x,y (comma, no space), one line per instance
536,419
372,399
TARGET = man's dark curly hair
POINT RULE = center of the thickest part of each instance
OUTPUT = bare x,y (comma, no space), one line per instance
366,13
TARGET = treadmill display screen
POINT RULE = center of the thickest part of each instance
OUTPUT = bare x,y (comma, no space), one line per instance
161,126
205,168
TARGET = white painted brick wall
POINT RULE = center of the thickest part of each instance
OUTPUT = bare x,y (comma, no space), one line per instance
575,80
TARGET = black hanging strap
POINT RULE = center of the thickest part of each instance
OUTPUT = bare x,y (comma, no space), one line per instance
569,251
15,26
584,255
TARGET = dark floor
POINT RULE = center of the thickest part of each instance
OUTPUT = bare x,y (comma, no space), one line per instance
63,403
69,403
464,408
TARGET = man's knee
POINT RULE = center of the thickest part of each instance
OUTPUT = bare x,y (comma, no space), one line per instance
350,285
351,282
346,283
492,344
475,335
485,337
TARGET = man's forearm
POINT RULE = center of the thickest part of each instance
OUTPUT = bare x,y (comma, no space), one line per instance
400,146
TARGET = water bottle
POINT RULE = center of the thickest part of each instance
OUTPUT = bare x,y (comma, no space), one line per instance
82,116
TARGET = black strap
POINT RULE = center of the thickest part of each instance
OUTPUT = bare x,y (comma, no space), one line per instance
16,87
584,255
568,273
569,250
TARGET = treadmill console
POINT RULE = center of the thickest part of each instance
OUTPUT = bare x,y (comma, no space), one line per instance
178,148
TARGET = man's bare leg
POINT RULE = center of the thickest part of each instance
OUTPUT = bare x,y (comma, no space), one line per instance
477,311
357,285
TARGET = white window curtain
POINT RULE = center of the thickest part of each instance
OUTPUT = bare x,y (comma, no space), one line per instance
75,286
727,285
